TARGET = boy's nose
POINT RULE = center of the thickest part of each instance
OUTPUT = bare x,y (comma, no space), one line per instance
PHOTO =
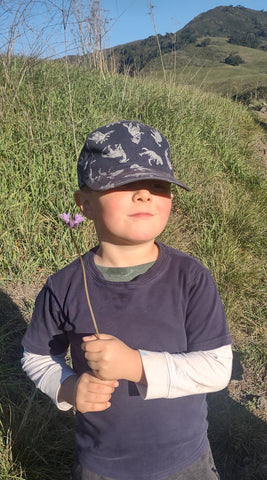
142,194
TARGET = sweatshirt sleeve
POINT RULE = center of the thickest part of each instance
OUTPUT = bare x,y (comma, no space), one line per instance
178,375
47,372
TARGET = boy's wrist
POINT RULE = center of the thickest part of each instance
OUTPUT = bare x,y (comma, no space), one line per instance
67,390
138,370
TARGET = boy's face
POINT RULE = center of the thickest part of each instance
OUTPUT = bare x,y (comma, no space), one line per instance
130,214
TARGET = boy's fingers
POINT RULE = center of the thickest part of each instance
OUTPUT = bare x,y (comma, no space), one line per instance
104,386
93,407
89,338
98,384
96,397
92,346
96,407
102,336
93,394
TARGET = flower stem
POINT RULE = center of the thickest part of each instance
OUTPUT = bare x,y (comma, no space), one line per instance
85,284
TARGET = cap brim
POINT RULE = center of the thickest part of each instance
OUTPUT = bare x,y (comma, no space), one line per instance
112,181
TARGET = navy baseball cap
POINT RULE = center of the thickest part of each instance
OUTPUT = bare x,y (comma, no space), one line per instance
122,153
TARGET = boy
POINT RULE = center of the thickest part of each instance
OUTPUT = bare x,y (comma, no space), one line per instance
140,387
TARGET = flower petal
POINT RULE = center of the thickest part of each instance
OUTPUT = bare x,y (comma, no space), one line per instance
72,222
65,217
78,218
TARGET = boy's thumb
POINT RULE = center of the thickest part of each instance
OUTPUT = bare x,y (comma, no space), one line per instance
89,338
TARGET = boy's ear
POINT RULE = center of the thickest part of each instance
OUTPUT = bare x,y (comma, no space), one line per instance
82,200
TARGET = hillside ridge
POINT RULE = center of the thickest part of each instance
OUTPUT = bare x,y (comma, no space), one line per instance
239,25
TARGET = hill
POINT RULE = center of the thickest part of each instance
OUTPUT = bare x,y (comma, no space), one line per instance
242,26
239,25
215,65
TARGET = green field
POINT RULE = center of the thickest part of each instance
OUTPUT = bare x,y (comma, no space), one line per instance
204,67
46,113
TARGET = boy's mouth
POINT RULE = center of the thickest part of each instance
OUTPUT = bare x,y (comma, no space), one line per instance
141,215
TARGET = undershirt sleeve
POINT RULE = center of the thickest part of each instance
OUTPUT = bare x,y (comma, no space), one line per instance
47,373
168,375
178,375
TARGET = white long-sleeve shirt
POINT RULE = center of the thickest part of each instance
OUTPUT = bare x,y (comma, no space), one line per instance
168,375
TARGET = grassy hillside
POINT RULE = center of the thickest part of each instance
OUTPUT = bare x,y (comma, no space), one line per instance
237,25
197,54
204,66
46,113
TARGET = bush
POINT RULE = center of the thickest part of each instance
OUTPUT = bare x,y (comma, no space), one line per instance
204,43
234,60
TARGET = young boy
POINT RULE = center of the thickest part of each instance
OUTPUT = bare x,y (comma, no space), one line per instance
140,387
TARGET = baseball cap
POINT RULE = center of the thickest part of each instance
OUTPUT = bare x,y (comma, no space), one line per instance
124,152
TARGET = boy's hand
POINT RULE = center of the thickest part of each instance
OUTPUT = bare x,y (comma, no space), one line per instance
92,394
110,358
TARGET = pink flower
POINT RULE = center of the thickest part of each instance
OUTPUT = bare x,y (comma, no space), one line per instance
72,222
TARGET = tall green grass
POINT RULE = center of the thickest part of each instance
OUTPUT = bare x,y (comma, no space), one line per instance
222,221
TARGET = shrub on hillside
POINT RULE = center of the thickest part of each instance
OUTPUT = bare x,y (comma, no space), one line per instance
204,43
234,60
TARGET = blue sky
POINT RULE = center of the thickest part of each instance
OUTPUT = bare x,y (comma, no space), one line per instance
131,19
36,28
